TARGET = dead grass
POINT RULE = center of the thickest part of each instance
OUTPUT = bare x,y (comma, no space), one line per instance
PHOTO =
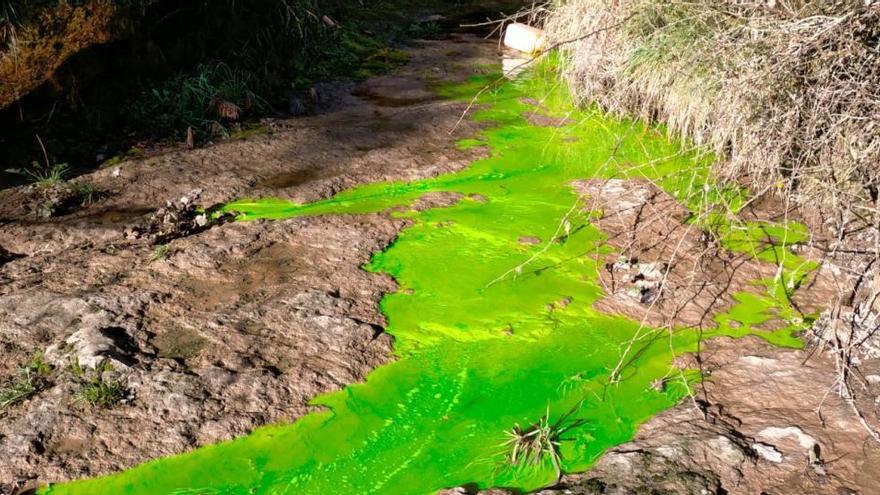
535,445
788,96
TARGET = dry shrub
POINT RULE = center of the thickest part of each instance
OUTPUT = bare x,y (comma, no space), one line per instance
787,92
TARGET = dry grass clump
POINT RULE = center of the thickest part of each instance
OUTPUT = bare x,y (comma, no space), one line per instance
533,446
787,91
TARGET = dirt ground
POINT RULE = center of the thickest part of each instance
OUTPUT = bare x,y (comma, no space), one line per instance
765,420
230,328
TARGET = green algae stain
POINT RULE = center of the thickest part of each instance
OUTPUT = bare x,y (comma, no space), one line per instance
483,346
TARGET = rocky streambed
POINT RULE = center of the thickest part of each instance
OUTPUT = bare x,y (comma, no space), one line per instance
408,296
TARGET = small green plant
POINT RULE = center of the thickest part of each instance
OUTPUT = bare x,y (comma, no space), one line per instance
533,446
421,30
101,392
130,153
43,176
77,368
160,252
86,192
29,380
47,175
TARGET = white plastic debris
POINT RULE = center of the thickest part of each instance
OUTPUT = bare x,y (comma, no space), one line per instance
778,433
525,38
768,452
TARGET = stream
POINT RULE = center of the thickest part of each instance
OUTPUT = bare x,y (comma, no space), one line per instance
492,333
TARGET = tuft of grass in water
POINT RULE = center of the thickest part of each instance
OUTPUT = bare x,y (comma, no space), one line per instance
29,380
535,445
101,392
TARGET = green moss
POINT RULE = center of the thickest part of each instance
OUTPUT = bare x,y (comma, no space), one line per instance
249,130
482,346
129,154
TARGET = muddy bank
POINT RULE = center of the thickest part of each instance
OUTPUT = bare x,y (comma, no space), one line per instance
219,332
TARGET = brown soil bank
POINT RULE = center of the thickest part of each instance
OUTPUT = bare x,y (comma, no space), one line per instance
159,349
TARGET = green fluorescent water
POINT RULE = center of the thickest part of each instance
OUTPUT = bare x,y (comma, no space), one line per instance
477,357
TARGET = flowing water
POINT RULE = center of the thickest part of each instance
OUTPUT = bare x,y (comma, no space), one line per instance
489,332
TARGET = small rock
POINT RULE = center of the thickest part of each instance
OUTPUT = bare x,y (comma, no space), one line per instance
768,452
296,107
726,450
652,271
431,18
175,220
90,348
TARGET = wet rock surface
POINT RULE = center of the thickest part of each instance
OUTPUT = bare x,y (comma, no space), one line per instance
213,329
665,271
